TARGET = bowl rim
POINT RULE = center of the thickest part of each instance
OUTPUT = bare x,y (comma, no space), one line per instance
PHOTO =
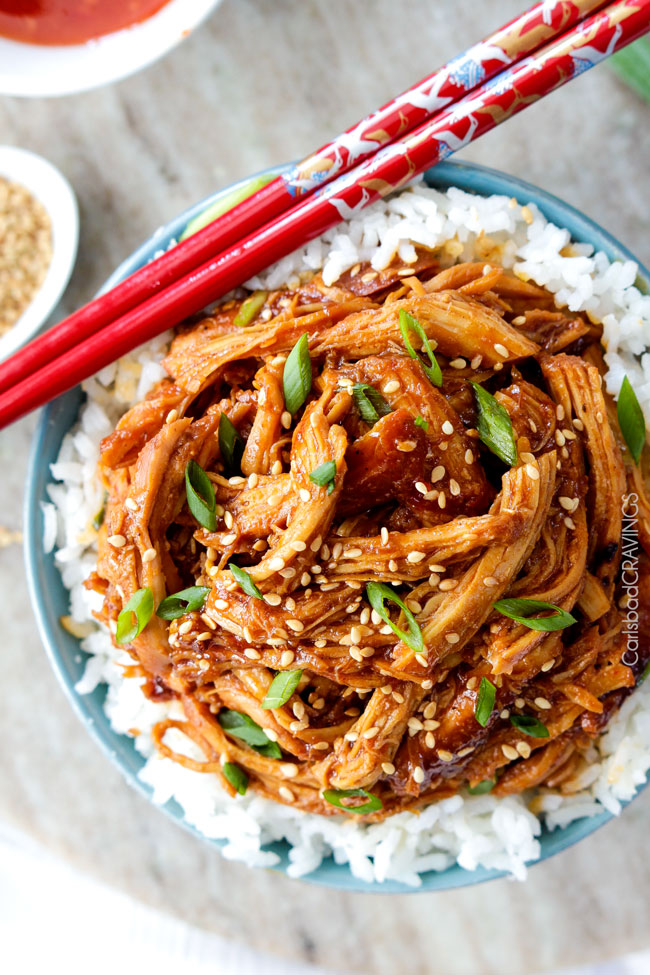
43,576
51,188
72,68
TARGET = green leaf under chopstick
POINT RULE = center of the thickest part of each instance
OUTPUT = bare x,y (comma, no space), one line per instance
296,377
240,726
179,603
370,403
485,699
494,426
481,788
325,475
281,689
378,593
231,446
521,611
335,797
250,309
135,616
244,581
236,776
631,419
632,64
529,724
408,323
225,203
200,496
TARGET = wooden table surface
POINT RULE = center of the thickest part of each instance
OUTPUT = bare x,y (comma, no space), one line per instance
261,83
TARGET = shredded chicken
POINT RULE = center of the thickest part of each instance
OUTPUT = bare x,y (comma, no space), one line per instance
415,499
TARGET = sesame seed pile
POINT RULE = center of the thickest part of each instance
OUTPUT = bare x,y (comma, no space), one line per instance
25,250
402,584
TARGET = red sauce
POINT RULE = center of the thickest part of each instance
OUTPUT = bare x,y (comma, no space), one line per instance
70,21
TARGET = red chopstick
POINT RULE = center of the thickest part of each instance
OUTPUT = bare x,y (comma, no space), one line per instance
477,65
393,166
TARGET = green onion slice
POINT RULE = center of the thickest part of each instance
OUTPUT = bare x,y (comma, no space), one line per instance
485,699
324,475
296,377
231,446
370,403
200,496
378,593
481,788
335,797
135,616
226,202
244,581
421,422
529,724
521,611
179,603
644,674
236,776
631,419
281,689
240,726
406,323
98,520
250,309
495,426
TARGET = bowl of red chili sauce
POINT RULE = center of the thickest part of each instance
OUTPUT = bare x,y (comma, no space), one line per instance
60,47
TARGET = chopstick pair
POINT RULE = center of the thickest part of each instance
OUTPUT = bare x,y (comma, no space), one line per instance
286,213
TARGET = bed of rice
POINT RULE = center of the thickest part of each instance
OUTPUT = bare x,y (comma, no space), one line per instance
472,831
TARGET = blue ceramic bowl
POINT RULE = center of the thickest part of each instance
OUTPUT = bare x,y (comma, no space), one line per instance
50,599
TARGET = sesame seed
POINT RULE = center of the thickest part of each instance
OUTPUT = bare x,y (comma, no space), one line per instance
236,481
321,746
316,571
445,756
355,653
406,446
298,709
519,702
476,361
298,546
447,585
422,660
297,726
276,563
276,467
471,683
416,557
387,768
171,416
427,685
304,494
131,504
252,653
371,732
547,666
433,580
185,627
398,698
578,424
447,428
271,734
414,725
201,638
498,366
229,539
523,748
567,503
437,474
248,636
286,793
392,565
505,714
532,425
392,386
469,456
442,500
452,637
355,635
560,439
457,363
542,703
296,626
559,411
466,751
430,739
454,487
532,472
430,709
208,621
289,770
418,775
436,567
228,519
220,604
527,457
352,553
519,320
421,487
149,555
290,604
510,752
320,643
117,541
364,617
287,657
351,736
253,480
501,350
286,419
490,581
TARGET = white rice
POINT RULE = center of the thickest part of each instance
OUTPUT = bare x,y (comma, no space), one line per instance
473,830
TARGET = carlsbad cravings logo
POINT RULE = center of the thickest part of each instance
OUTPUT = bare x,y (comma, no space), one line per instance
630,578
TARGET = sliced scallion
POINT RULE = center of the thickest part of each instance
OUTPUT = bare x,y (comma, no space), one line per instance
135,616
200,496
335,798
250,309
281,689
529,724
422,423
495,426
240,726
485,699
178,604
378,594
631,419
244,581
325,475
236,777
370,403
481,788
231,446
408,323
296,377
521,610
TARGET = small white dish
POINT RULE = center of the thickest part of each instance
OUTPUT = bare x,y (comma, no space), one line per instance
49,186
38,70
